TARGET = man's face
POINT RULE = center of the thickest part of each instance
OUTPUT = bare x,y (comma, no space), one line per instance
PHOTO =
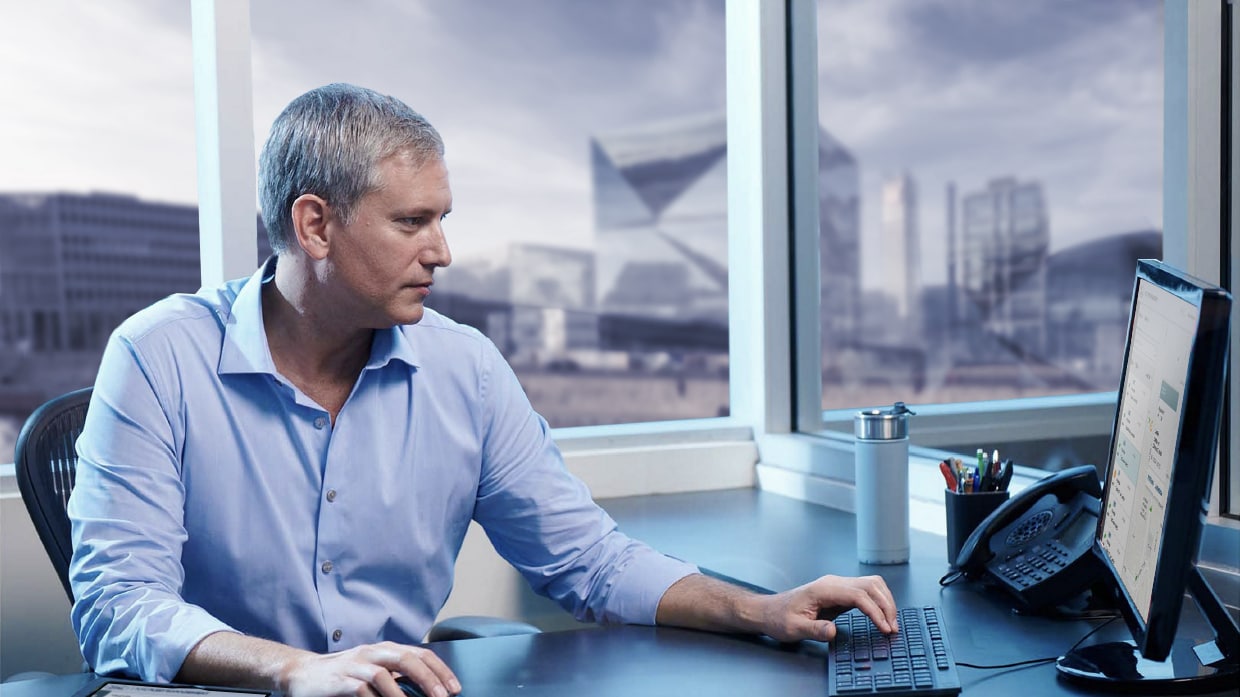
381,264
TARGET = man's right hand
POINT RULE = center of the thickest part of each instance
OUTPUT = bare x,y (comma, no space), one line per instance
371,670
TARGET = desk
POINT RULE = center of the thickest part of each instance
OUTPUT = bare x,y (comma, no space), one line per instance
764,539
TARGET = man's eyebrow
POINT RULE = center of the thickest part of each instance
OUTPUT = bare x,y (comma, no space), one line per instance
419,211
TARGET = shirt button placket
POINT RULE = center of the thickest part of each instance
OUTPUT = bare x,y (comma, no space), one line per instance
327,567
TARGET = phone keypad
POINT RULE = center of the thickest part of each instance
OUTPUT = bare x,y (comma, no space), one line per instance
1035,564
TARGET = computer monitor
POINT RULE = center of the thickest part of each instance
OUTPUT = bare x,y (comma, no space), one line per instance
1157,487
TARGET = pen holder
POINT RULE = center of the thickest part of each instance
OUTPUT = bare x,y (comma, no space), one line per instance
964,513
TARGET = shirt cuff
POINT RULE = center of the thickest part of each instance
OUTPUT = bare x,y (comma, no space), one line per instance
642,583
169,645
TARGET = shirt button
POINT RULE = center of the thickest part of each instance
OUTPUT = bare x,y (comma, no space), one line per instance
331,495
327,567
320,422
336,635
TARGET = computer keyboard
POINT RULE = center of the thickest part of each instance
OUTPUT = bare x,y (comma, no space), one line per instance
914,661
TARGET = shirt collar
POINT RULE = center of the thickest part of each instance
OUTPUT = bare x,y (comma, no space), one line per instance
245,347
245,343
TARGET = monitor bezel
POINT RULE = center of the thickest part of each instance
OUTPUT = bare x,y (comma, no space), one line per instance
1189,489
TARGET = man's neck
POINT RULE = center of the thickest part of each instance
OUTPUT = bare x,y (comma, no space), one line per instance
316,352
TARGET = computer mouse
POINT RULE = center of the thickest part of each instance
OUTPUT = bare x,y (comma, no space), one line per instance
410,689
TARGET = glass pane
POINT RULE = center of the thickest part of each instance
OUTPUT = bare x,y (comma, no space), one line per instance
989,174
586,143
98,192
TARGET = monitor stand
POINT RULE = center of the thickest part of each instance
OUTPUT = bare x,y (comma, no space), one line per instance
1213,666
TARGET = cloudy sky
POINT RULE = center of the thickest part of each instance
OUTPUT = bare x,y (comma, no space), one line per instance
1062,92
99,96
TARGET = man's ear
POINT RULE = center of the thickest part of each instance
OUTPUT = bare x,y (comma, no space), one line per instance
311,215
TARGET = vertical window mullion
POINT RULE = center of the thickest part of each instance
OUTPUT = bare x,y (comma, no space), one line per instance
225,138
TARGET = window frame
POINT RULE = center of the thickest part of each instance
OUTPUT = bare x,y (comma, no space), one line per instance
772,223
1191,240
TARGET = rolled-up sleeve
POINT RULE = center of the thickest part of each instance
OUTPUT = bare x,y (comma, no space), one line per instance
127,515
543,521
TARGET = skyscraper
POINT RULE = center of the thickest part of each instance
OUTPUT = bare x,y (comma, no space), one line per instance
839,242
901,251
1004,240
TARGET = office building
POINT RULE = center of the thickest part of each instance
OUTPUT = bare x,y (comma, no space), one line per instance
72,268
545,276
552,295
839,243
75,266
1088,295
953,312
660,200
660,194
1004,240
901,251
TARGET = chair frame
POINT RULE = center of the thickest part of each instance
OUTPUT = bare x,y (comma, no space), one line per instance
46,462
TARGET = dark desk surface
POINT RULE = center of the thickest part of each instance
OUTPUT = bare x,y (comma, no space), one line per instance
768,540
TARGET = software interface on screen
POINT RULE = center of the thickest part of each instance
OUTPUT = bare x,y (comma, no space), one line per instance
1150,400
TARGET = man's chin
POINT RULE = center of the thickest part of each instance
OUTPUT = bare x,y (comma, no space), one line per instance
410,315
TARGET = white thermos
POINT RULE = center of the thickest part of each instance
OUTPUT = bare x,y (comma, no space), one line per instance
882,485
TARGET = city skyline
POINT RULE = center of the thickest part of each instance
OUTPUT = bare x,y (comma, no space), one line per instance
929,88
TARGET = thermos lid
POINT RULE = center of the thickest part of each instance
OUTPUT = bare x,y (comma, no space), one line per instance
883,424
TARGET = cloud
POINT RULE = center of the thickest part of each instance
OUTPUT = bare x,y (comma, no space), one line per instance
1068,94
98,97
516,89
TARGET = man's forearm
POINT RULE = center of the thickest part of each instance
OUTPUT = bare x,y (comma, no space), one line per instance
228,658
701,602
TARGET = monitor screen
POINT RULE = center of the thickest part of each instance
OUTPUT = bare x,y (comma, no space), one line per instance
1163,447
1146,434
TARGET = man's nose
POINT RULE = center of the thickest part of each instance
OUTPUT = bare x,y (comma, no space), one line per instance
437,253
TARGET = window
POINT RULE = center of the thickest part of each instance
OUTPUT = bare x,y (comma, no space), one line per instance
98,143
988,176
587,149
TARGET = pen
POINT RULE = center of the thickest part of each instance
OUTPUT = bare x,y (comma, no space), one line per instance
987,481
947,475
1005,477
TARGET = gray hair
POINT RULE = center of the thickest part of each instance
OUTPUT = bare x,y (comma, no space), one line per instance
328,142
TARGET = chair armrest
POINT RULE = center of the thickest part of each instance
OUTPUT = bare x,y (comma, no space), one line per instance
476,626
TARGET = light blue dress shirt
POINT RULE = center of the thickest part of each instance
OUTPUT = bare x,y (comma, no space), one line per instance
213,495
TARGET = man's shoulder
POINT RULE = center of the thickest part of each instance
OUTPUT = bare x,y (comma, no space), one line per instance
196,314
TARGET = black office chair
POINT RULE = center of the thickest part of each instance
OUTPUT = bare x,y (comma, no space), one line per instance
46,458
46,470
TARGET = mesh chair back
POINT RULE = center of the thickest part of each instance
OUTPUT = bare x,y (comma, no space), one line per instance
46,460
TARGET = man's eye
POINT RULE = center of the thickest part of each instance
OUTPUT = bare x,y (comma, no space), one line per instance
413,222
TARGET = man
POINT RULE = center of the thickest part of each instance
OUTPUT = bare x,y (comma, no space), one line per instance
276,475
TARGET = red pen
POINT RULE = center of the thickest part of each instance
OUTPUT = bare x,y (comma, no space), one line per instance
947,475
